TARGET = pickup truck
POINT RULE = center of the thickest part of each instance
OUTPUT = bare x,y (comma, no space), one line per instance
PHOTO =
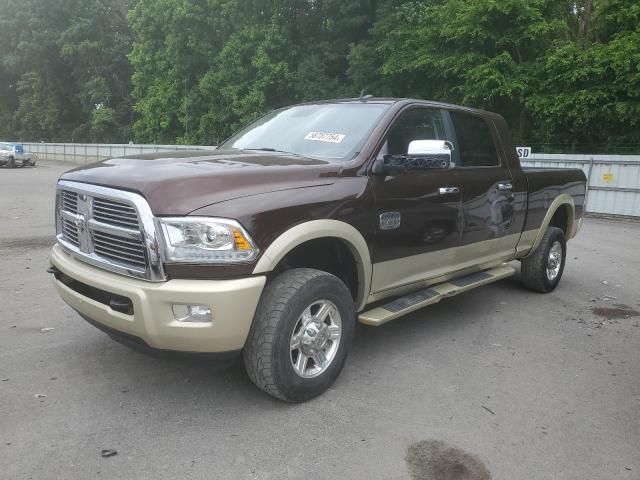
11,153
308,220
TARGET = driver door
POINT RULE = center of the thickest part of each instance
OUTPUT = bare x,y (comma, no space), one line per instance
418,212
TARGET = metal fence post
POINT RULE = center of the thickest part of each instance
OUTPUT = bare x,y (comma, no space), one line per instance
588,189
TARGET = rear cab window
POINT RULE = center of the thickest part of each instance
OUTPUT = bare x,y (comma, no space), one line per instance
476,147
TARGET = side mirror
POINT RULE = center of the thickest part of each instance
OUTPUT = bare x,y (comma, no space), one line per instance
421,155
430,147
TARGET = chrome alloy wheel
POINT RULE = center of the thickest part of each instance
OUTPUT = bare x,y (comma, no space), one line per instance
315,339
554,261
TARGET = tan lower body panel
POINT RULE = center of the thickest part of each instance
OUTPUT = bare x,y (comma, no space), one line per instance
414,301
391,274
232,303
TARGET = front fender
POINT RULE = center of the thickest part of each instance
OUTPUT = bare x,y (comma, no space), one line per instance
315,229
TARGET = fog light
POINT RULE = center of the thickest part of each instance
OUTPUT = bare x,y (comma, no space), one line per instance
192,313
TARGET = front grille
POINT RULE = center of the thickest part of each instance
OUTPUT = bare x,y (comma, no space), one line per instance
70,232
108,228
115,213
70,201
119,249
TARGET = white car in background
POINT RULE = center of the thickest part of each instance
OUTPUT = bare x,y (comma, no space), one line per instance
12,154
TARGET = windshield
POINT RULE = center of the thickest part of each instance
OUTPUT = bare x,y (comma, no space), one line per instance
4,146
333,131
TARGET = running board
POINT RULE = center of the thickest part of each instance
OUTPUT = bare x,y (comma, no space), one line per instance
416,300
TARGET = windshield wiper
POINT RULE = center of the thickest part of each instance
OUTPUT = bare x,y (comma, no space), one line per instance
269,149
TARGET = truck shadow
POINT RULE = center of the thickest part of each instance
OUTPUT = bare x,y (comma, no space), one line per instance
440,321
228,384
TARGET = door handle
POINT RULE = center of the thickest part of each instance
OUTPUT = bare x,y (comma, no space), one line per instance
505,186
449,190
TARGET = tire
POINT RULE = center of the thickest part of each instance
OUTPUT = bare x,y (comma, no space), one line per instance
542,271
270,358
11,163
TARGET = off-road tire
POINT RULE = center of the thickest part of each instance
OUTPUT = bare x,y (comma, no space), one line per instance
534,268
267,352
11,163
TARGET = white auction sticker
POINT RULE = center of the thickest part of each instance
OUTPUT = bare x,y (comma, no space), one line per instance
325,137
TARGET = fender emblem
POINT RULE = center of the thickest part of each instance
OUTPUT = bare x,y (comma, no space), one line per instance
389,220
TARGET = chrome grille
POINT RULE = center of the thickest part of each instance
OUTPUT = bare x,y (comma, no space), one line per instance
119,249
70,201
108,228
115,213
70,232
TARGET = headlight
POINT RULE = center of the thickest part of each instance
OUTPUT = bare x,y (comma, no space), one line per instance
207,240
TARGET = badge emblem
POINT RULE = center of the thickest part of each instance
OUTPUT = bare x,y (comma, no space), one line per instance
81,223
389,220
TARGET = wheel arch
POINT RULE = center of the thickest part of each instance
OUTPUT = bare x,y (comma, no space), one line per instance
322,229
561,211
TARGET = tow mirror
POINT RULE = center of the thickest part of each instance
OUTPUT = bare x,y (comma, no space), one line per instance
421,155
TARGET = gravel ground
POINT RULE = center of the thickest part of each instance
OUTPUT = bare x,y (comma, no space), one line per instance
497,383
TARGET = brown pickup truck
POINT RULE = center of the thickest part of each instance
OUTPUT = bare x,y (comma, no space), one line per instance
310,219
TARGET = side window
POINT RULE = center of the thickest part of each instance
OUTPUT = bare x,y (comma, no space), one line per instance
475,143
416,124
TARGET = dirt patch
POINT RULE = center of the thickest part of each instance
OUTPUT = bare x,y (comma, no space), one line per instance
617,311
436,460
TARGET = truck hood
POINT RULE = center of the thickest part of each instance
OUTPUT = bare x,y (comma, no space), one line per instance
177,183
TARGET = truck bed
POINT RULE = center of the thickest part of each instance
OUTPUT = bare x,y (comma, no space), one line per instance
546,184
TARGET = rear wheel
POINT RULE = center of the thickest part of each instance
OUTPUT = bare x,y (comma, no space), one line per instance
543,270
301,334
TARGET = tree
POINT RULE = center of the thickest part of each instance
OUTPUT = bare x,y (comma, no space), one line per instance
588,91
193,71
205,67
61,58
478,53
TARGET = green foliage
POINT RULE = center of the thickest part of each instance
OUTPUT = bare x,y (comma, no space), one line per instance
62,58
250,75
203,68
478,53
193,71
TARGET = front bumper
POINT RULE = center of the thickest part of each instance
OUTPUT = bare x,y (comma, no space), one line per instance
232,302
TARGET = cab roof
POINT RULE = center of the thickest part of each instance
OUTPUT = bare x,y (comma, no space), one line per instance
399,100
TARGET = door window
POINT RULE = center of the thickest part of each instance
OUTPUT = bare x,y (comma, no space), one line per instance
416,124
475,142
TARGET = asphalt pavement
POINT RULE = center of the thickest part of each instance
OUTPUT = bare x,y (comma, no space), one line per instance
496,383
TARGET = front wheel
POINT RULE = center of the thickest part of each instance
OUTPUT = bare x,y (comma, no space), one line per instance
11,163
542,270
301,334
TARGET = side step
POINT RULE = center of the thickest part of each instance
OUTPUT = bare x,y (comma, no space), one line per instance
416,300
